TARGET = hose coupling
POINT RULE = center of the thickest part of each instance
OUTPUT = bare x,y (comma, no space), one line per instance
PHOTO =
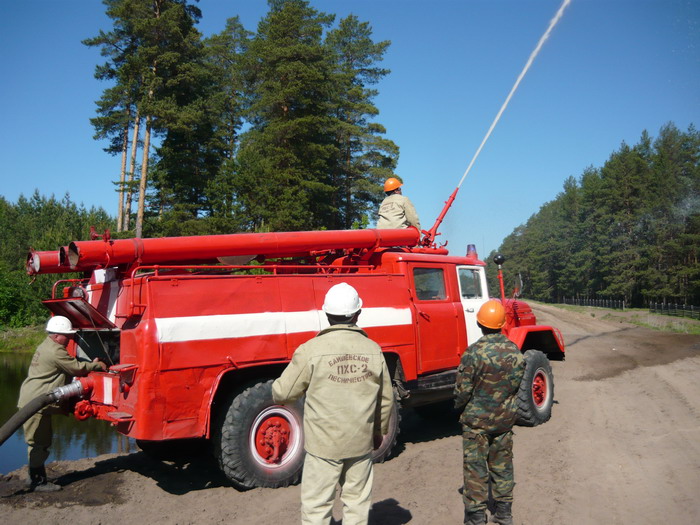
70,390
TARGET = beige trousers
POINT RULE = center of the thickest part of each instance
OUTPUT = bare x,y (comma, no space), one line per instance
319,479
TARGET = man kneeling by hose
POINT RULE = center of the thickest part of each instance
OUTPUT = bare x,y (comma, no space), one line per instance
51,367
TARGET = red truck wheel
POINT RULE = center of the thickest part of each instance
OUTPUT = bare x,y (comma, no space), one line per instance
258,443
536,394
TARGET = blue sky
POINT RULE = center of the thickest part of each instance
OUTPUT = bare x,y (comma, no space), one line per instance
611,69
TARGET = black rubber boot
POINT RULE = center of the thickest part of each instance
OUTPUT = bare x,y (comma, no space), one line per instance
503,514
38,481
474,517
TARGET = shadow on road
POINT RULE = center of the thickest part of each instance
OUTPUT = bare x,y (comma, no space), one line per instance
200,471
99,484
181,476
428,426
386,512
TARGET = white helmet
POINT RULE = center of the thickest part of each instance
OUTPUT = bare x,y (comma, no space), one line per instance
59,325
342,299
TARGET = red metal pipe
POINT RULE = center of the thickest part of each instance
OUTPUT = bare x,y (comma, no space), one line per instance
114,252
44,262
430,235
501,285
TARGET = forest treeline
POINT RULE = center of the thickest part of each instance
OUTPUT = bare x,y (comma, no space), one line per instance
241,131
628,230
39,223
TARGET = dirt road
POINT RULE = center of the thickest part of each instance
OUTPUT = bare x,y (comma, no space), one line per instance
623,447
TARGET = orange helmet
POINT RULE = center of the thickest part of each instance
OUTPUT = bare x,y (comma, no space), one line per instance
491,315
391,184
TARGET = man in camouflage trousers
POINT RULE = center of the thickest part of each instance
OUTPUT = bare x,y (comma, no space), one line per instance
488,379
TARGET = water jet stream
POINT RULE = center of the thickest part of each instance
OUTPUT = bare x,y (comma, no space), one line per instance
530,60
429,236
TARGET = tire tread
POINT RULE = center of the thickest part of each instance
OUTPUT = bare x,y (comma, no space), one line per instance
528,415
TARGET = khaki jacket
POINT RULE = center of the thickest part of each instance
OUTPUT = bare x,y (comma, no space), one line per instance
397,211
348,390
51,367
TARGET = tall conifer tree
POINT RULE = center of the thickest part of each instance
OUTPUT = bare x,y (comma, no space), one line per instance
365,158
162,46
284,158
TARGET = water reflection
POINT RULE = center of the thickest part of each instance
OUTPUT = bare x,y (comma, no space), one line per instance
71,439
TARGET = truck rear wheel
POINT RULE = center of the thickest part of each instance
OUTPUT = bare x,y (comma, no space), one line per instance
536,393
389,440
259,443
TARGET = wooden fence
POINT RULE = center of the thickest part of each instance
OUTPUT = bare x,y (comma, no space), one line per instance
617,304
677,310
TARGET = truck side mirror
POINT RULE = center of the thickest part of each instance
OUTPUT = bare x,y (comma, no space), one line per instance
499,259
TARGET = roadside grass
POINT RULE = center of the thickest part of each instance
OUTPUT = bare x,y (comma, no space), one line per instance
21,340
639,317
664,323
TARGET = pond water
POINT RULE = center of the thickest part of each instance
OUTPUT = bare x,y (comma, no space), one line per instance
72,439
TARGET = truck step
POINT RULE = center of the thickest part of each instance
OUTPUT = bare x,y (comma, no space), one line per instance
120,416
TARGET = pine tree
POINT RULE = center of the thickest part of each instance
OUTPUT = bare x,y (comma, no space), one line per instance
116,106
227,100
152,49
365,158
283,182
169,51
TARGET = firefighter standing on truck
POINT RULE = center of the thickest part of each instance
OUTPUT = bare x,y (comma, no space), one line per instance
488,380
396,210
348,403
51,367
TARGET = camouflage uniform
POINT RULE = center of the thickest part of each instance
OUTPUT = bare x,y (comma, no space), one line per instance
488,379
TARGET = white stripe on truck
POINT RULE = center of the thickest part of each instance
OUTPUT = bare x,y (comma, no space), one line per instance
233,326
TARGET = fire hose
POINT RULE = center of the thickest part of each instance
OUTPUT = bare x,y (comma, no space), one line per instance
23,414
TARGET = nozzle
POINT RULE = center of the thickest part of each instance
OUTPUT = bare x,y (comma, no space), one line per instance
78,387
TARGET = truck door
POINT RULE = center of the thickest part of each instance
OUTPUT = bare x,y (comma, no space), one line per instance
472,289
439,319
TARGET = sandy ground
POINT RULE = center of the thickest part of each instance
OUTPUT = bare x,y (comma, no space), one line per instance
622,447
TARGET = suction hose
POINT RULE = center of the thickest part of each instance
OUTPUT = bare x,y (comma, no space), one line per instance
23,414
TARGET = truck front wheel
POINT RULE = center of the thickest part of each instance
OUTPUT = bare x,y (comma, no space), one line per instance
259,443
536,393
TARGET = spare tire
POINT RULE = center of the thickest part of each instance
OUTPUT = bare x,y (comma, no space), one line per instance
536,394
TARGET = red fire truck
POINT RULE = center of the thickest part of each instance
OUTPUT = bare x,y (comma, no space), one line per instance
195,329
